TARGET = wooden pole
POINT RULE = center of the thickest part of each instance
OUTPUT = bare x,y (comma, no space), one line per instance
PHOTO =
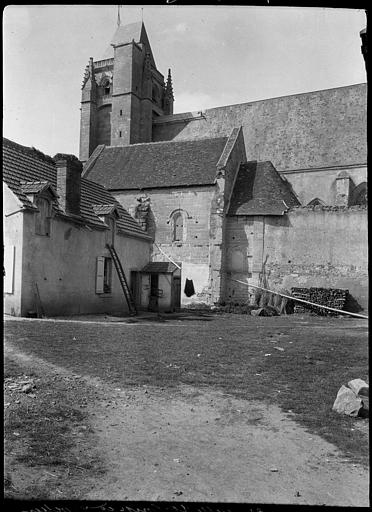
302,300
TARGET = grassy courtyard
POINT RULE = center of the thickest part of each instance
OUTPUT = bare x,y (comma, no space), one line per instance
296,362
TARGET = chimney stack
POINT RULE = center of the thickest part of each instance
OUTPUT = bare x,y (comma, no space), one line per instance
69,170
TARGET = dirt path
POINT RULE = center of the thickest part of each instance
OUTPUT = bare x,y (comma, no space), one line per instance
203,446
197,445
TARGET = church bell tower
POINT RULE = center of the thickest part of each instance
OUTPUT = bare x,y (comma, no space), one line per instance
122,93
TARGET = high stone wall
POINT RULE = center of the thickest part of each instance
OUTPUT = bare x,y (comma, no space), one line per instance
308,247
310,130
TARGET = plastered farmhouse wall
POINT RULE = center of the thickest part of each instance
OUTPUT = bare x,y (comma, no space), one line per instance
13,236
64,265
66,276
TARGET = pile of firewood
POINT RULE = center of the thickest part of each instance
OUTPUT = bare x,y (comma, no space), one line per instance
331,297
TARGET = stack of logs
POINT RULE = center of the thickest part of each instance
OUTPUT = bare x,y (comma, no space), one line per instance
331,297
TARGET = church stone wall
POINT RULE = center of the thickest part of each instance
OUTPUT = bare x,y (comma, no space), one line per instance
321,183
103,128
311,130
194,251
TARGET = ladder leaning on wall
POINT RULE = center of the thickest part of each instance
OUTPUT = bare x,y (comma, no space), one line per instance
123,281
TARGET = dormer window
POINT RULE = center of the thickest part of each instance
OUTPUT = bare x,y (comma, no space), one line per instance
108,213
43,216
41,194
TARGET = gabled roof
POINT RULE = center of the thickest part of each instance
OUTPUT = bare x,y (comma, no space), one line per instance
104,209
159,267
157,164
260,190
23,166
35,187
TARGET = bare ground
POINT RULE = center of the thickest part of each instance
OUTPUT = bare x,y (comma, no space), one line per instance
189,444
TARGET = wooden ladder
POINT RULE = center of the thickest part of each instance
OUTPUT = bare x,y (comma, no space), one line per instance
123,281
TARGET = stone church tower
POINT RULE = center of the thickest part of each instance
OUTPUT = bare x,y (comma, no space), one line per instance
123,93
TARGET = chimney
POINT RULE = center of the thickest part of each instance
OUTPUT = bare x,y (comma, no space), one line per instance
69,170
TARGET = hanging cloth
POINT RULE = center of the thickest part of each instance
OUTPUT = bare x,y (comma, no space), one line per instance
189,288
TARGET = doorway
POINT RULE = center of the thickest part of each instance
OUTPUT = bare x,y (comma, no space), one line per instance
154,292
176,292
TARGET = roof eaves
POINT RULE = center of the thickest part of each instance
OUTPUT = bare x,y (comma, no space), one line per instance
134,234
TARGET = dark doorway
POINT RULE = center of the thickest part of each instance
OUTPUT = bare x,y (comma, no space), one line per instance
154,292
176,292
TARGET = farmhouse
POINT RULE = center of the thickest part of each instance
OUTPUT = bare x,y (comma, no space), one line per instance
277,184
57,228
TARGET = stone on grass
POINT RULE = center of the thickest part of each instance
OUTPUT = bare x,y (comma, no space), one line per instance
27,388
347,402
359,386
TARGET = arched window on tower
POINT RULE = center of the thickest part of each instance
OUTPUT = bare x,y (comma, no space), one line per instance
106,86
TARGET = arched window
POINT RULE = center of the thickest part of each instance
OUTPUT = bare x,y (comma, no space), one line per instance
106,86
178,227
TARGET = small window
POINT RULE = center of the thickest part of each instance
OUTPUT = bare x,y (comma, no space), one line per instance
104,275
42,217
178,227
120,133
121,112
105,84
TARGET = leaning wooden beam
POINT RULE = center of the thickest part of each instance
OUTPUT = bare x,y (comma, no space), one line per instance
166,255
301,300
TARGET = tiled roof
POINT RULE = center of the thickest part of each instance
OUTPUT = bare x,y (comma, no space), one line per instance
159,267
160,164
22,164
260,190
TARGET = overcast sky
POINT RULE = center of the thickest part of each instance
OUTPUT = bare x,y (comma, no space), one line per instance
219,55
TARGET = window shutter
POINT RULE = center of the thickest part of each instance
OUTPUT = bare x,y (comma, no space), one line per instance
100,274
9,268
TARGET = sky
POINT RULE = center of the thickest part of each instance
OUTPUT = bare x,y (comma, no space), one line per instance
219,55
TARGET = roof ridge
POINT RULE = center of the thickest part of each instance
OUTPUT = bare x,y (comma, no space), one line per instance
180,141
29,151
280,97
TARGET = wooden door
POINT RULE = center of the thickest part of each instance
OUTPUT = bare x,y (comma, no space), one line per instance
176,292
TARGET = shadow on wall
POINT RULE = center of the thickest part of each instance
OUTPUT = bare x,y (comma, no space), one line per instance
168,131
151,224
